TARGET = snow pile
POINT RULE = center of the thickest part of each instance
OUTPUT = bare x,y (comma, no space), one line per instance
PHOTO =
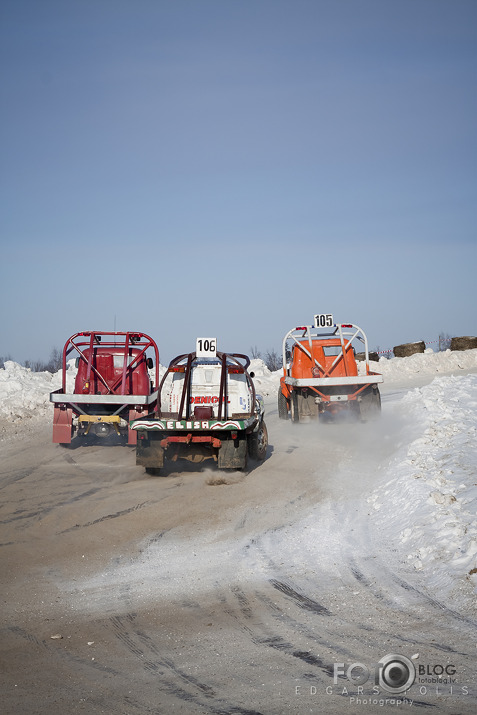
429,498
426,363
266,382
24,393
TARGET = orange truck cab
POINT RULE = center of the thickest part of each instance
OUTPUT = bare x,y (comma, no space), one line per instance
320,372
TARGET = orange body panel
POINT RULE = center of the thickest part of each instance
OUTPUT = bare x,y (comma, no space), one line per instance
302,365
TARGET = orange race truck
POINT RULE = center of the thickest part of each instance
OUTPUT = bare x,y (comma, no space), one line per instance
320,372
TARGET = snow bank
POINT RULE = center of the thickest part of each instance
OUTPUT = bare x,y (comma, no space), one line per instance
24,393
427,363
266,382
429,498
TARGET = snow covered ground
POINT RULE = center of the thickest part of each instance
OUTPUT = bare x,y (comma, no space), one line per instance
428,491
425,491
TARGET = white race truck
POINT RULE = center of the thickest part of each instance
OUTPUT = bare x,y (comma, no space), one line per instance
211,411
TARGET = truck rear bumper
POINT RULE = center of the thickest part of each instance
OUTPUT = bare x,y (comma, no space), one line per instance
333,381
196,425
81,399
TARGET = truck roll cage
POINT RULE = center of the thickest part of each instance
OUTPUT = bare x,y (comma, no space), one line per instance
345,333
87,340
230,363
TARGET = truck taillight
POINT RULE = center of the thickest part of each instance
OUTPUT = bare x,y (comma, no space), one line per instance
178,369
235,371
346,326
301,327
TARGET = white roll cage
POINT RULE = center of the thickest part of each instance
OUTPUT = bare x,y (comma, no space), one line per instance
346,332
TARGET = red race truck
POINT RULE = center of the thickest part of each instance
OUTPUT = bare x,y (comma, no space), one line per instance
320,372
112,385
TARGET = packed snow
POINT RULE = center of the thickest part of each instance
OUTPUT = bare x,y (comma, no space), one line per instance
431,484
425,494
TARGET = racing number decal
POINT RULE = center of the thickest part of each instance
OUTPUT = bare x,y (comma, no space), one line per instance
324,320
206,347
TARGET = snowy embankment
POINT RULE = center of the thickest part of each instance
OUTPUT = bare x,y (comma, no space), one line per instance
427,497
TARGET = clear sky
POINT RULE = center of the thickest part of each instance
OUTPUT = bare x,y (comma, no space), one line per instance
229,168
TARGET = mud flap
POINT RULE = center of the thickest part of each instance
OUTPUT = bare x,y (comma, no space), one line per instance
370,405
149,452
62,424
233,454
307,406
132,434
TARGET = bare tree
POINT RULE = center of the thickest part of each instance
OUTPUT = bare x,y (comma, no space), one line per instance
255,352
444,341
273,360
56,361
54,364
3,360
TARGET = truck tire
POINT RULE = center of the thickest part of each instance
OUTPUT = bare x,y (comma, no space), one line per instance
258,442
153,471
282,406
409,349
464,343
370,405
294,413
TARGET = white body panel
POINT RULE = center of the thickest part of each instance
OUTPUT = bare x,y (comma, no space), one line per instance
205,390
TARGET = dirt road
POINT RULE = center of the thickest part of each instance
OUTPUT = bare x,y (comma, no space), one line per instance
200,592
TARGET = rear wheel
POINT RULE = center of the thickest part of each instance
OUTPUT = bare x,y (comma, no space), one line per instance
294,413
282,406
258,442
153,471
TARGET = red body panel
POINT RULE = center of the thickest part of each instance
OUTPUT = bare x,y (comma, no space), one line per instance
109,364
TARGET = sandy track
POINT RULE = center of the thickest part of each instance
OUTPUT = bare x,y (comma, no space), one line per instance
187,594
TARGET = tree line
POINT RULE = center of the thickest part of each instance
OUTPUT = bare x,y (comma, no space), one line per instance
52,365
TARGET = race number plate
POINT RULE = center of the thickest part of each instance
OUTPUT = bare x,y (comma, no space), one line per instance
206,347
324,320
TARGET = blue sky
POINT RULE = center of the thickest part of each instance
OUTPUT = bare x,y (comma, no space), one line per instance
230,168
